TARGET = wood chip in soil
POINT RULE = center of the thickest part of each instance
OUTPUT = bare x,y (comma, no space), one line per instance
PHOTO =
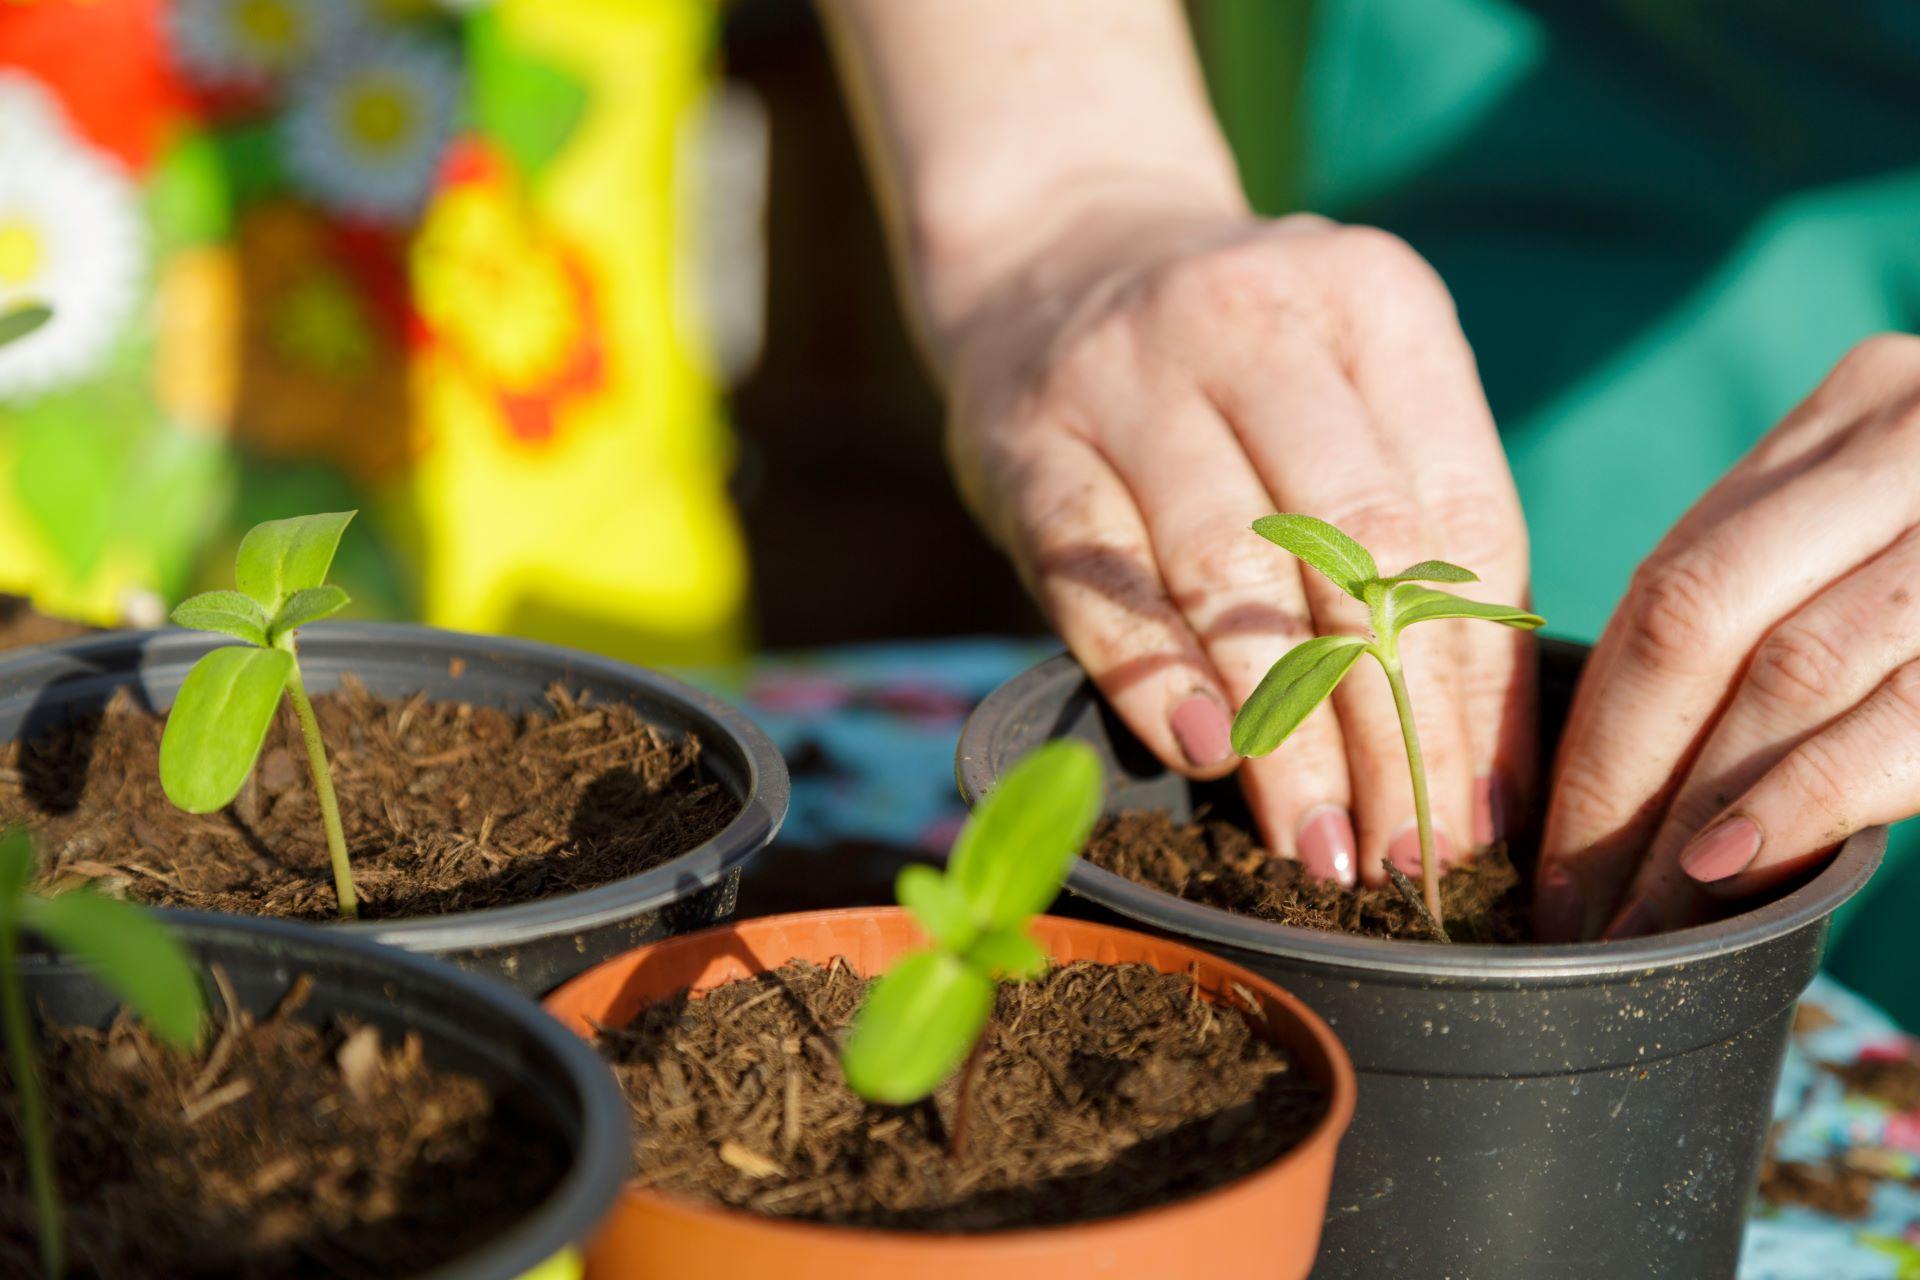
446,806
262,1157
1102,1089
1220,864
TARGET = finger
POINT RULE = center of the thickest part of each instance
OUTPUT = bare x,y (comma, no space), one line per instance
1671,654
1808,672
1862,770
1198,496
1319,451
1417,375
1079,542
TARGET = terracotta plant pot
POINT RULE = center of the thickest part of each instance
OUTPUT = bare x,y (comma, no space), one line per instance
1266,1224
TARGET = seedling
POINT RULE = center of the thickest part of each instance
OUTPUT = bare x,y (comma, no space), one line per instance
1303,678
923,1019
220,718
123,948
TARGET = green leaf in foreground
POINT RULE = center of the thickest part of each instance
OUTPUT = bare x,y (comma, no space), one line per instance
216,726
227,612
309,604
280,557
1431,571
1344,562
23,320
919,1023
1014,852
1289,692
1413,603
938,904
131,953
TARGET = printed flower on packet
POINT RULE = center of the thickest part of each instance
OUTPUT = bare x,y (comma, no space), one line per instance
72,237
365,131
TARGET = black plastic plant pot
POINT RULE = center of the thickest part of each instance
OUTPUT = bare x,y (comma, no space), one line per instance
534,945
1586,1112
541,1074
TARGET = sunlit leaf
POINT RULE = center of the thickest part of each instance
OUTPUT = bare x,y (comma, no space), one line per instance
309,604
280,557
23,320
1431,571
228,612
17,864
1295,685
918,1024
1019,844
1344,562
130,952
1414,603
1007,953
938,904
216,726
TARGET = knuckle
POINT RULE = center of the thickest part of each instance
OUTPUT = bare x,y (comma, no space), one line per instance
1483,530
1799,665
1381,260
1903,689
1384,520
1817,775
1673,618
1876,355
1243,287
1222,557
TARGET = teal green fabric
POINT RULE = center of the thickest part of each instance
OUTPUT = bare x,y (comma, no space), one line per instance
1662,221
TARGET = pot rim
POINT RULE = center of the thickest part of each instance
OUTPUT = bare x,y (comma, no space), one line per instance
579,1200
1053,680
116,656
904,1245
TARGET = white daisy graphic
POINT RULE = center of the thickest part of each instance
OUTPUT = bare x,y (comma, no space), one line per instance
365,131
227,41
71,236
30,118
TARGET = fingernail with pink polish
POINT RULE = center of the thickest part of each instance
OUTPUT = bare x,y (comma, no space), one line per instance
1327,844
1637,920
1723,850
1489,810
1204,731
1559,908
1404,850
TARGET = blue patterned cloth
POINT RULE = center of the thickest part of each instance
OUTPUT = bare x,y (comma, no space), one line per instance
870,732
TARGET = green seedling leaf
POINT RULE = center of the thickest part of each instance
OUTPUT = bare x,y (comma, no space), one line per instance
17,865
281,557
1413,603
1344,562
919,1023
23,320
1016,849
309,604
228,612
1005,953
217,724
1431,571
938,904
1289,692
131,953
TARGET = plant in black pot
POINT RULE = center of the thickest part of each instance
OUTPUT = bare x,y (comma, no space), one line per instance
347,1110
516,808
1587,1110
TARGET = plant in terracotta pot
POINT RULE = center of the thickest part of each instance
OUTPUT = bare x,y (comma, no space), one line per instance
346,1109
963,1087
513,807
1597,1108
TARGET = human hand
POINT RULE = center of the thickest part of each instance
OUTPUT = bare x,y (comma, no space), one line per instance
1145,382
1756,698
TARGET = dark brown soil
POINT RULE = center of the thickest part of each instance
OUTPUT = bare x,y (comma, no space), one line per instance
1828,1187
447,807
1220,864
280,1151
1894,1081
1102,1089
21,625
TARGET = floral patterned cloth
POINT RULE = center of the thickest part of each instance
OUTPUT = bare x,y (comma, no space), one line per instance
425,259
871,732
